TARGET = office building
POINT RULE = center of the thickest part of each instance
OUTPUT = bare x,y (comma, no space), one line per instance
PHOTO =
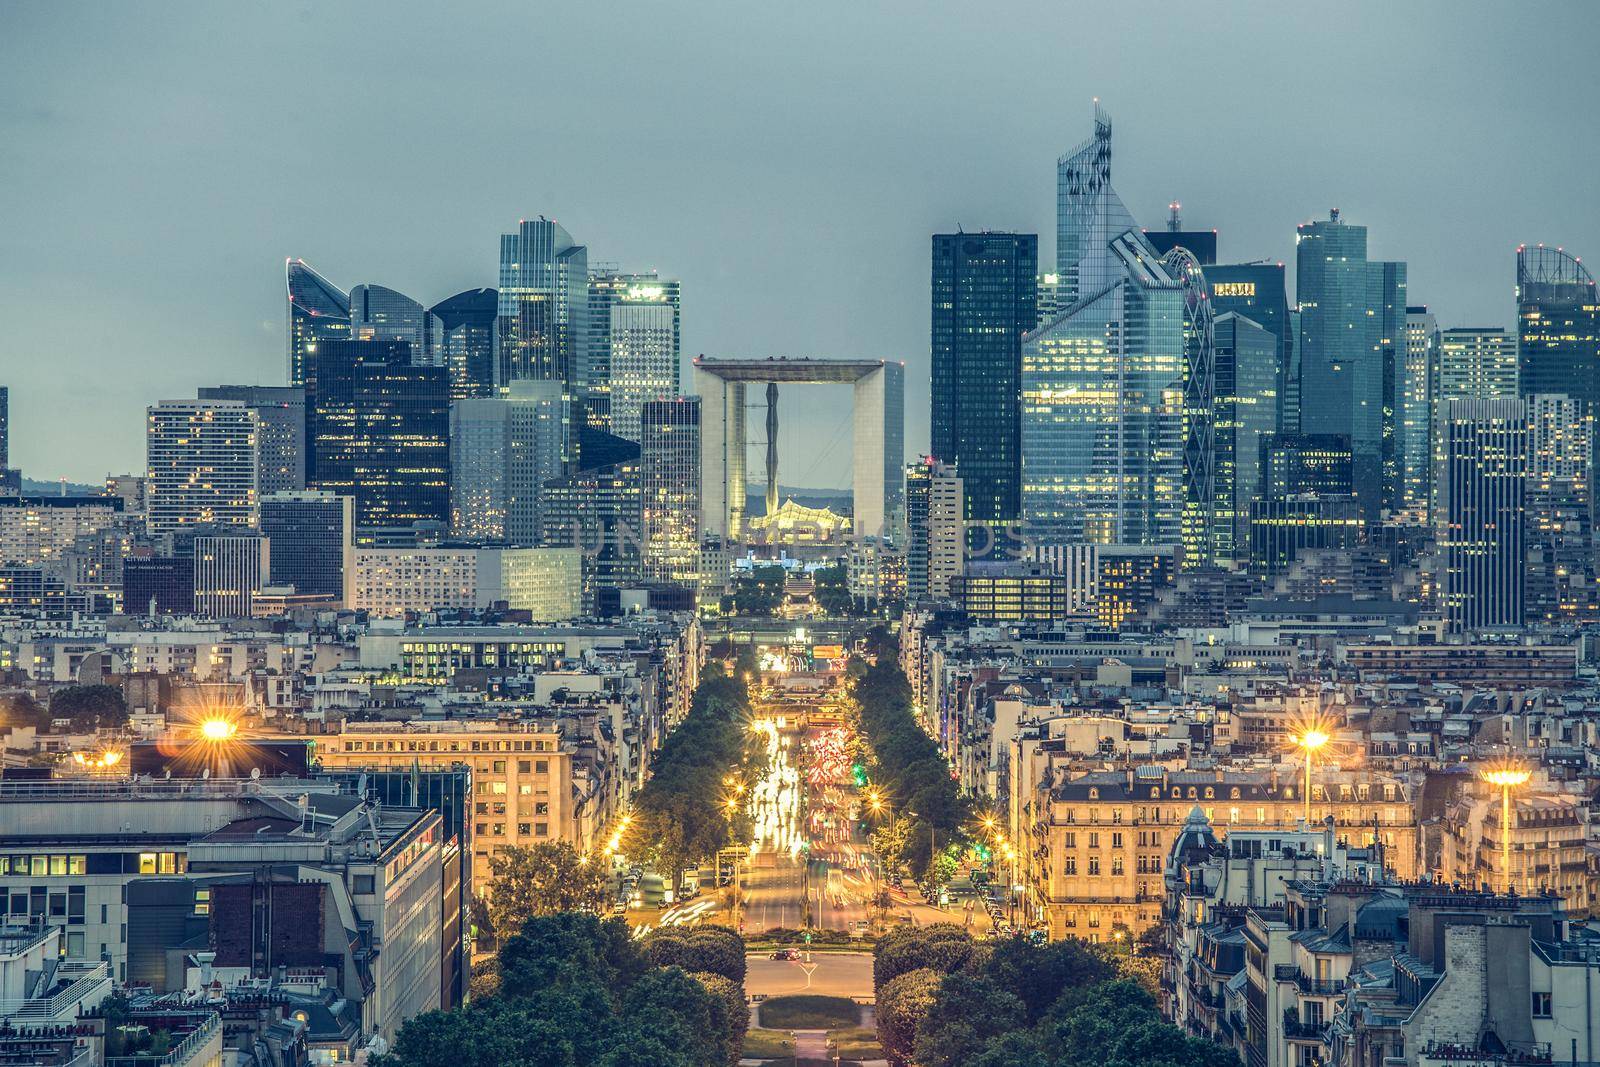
466,341
1198,521
381,314
633,348
503,450
393,582
1283,527
1477,363
669,471
935,529
543,315
1102,410
379,432
984,300
1259,292
1481,525
991,593
42,529
1352,314
280,431
310,539
1419,386
1561,578
1089,218
1558,325
596,510
158,585
318,311
228,573
1297,464
201,464
5,431
1113,584
1245,414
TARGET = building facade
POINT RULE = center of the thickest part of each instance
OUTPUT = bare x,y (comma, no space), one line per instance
503,449
310,537
936,529
201,464
669,507
280,431
318,311
543,317
1481,529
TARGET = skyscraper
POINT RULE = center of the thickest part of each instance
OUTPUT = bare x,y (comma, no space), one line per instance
1486,458
936,538
1420,384
1259,292
1561,575
318,312
1477,363
1102,409
641,361
596,508
669,470
1199,408
466,341
310,537
201,464
1351,319
381,314
5,427
378,430
1245,413
1558,325
1089,217
542,326
503,449
281,431
984,300
1202,244
228,573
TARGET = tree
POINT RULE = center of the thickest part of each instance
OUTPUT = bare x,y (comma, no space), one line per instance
729,1016
709,949
903,1004
967,1014
1116,1024
20,709
1039,974
90,707
542,879
833,590
939,947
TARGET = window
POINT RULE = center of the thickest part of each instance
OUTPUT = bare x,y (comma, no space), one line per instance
202,904
1071,865
524,829
1072,840
541,766
147,863
541,829
75,943
364,883
500,767
542,808
1541,1005
1094,864
524,766
1116,840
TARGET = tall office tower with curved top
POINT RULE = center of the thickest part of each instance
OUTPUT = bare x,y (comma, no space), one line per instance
544,304
1558,325
378,313
1089,216
318,311
466,341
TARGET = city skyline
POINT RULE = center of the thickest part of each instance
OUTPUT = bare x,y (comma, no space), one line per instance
224,141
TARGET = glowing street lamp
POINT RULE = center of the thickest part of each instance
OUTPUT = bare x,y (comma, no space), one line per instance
218,729
1506,779
1310,740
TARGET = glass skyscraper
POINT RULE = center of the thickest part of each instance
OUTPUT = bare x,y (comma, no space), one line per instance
1419,387
318,311
1246,414
1089,216
984,300
640,306
1486,464
503,449
1558,325
1477,363
669,459
466,341
1351,318
1259,292
1102,410
381,314
543,305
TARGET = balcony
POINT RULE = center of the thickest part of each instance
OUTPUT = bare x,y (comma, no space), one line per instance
78,987
1294,1029
1318,987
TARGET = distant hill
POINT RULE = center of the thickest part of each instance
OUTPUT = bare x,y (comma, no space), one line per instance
34,487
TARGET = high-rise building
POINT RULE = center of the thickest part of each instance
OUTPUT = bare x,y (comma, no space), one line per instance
1246,413
158,585
378,431
1283,527
984,300
669,470
5,427
1199,409
1102,410
642,353
281,431
1558,325
1259,292
1392,345
936,529
1296,464
389,582
228,573
1561,575
1089,218
381,314
503,449
1481,527
318,311
542,325
466,341
1352,314
1477,363
1419,386
310,537
649,324
1202,244
596,509
201,464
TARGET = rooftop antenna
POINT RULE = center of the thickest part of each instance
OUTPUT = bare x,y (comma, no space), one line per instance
1174,220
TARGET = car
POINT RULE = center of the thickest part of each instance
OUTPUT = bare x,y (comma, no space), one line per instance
785,954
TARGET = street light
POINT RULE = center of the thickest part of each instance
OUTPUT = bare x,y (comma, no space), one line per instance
1310,740
1506,779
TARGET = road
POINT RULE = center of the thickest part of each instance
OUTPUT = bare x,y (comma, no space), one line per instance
838,974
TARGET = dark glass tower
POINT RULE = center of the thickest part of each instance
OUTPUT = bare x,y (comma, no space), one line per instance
543,304
379,431
984,290
1246,412
1258,292
466,341
309,541
318,312
1558,326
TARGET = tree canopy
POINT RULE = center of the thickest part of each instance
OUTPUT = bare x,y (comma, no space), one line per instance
90,707
541,879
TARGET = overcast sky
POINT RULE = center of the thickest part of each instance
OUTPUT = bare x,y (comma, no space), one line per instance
787,162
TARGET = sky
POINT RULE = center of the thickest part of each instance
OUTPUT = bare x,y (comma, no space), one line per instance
158,162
